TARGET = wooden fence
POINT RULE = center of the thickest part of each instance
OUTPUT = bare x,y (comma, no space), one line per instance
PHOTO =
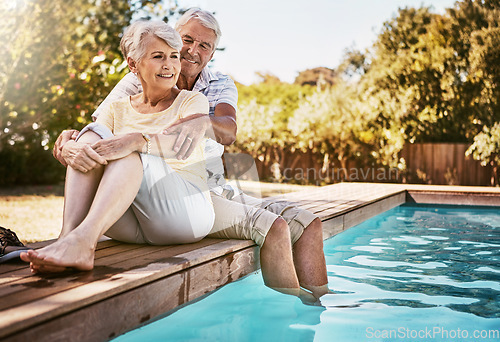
426,163
444,164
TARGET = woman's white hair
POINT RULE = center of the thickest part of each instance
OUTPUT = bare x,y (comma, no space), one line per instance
133,42
206,19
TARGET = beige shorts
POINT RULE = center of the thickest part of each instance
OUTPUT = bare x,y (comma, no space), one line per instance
246,217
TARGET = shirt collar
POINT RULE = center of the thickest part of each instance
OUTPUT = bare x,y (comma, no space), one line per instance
206,76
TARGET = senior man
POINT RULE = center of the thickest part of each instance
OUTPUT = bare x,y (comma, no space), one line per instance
291,239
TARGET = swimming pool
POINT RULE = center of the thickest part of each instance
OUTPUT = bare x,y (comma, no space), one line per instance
415,273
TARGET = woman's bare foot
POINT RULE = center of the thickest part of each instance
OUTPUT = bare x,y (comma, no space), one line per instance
71,251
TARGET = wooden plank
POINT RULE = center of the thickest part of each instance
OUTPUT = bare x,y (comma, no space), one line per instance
319,206
332,227
355,204
17,271
337,192
431,197
169,292
448,188
15,275
113,283
438,168
336,202
361,214
128,274
459,163
21,291
101,246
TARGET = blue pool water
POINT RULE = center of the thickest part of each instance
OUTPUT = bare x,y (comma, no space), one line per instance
413,273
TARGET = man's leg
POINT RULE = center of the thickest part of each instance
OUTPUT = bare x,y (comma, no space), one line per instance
309,259
276,258
239,220
277,263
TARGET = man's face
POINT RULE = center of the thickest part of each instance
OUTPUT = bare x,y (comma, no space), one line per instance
198,47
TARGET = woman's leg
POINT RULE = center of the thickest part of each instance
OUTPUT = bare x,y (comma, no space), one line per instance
116,191
79,190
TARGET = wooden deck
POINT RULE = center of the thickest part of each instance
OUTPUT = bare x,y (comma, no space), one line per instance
132,284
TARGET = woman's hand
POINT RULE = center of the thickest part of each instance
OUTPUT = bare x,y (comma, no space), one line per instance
190,131
119,146
62,139
81,156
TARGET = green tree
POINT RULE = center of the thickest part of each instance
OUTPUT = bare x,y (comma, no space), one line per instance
263,113
61,58
334,123
406,77
486,148
354,64
320,77
431,77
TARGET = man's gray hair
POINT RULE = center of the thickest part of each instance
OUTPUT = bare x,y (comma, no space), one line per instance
133,41
206,19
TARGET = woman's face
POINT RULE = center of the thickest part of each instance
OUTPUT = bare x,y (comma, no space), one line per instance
160,66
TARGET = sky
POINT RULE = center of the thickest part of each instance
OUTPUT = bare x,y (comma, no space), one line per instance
284,37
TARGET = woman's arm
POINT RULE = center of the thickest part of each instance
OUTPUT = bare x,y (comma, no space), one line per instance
162,145
122,145
70,153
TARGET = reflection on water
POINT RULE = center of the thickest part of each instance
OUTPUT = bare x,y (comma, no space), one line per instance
432,271
455,265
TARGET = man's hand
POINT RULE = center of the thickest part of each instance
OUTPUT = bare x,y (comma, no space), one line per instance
190,131
62,139
119,146
81,156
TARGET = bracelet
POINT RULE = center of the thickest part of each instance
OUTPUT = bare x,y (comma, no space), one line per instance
148,140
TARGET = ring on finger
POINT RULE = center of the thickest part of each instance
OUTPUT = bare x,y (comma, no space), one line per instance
190,139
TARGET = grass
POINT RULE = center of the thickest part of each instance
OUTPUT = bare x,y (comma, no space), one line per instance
35,213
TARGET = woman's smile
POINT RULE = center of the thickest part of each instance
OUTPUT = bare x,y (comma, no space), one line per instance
165,75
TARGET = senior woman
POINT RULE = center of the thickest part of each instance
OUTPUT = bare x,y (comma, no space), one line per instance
142,194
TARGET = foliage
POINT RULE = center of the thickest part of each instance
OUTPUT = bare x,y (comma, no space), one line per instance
263,113
354,64
320,77
333,122
431,77
427,78
486,148
280,99
61,58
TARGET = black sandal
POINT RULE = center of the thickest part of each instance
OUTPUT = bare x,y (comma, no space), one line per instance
10,246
